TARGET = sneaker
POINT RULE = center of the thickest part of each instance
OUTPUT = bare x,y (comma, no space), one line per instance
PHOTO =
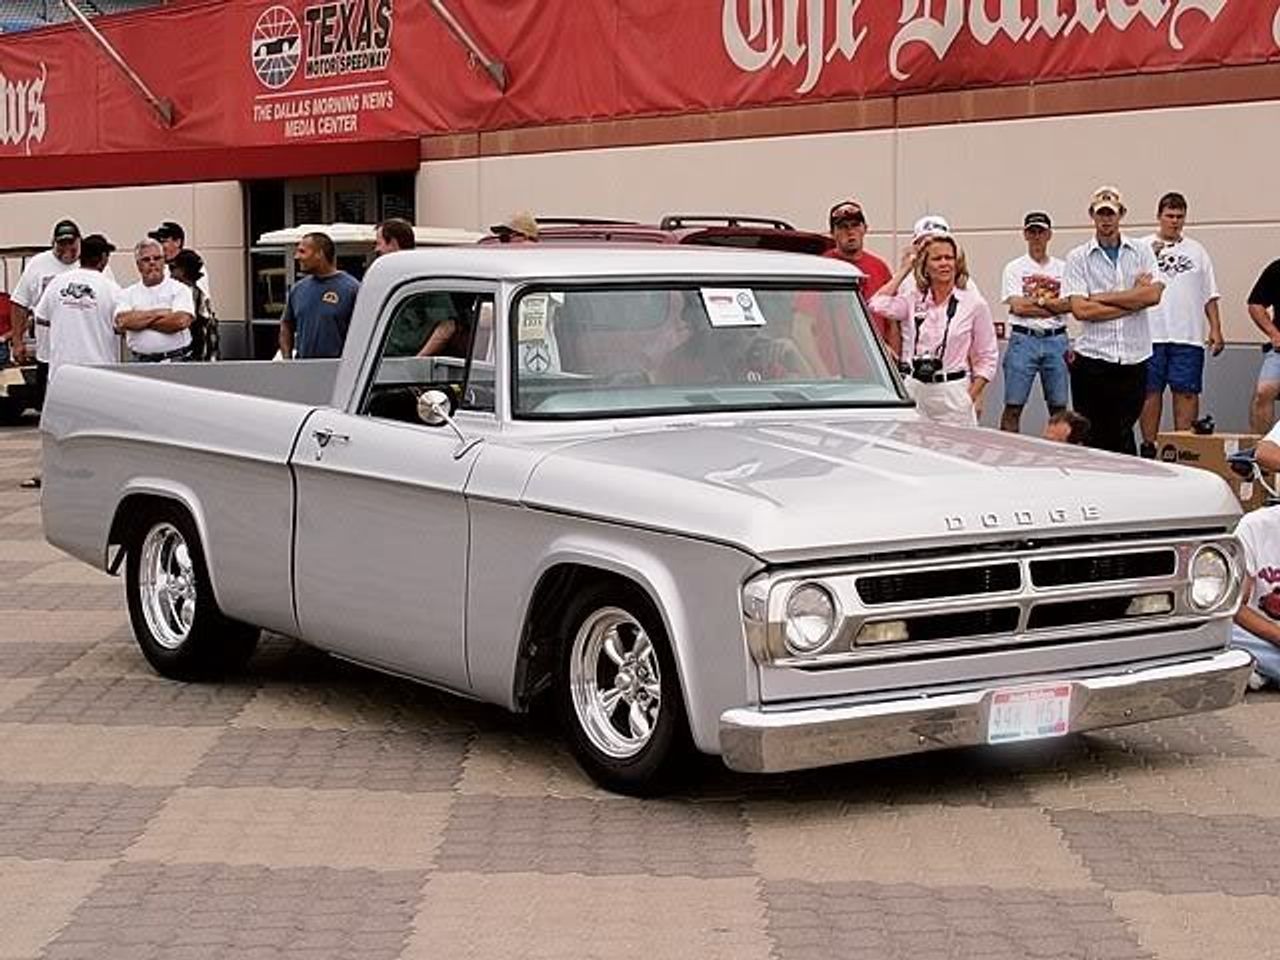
1257,681
1147,451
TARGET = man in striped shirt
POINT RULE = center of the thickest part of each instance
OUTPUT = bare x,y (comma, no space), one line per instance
1110,282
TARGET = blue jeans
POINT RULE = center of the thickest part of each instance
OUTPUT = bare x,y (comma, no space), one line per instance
1029,355
1266,655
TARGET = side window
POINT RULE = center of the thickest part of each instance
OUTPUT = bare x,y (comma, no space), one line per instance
436,340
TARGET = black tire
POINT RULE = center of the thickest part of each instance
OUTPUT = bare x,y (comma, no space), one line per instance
661,757
210,645
11,411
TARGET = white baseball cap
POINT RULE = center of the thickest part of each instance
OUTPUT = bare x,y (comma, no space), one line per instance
930,225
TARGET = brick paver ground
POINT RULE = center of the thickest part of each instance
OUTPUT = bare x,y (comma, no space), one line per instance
315,810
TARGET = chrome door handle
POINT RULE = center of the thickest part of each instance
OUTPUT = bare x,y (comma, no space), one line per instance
325,436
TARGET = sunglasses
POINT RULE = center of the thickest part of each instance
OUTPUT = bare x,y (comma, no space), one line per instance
152,259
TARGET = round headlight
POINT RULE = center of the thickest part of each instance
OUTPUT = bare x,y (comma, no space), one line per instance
811,618
1210,578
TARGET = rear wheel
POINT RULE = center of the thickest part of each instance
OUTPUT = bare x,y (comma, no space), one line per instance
618,692
175,617
11,411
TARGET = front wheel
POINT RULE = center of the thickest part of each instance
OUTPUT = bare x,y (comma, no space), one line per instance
175,618
618,692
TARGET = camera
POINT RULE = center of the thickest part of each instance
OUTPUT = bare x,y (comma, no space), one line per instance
925,369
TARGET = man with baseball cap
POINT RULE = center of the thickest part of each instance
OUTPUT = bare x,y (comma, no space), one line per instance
520,227
848,223
1110,283
40,270
1031,291
173,239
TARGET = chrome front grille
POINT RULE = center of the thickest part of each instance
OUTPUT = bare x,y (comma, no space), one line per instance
1026,595
938,583
1137,565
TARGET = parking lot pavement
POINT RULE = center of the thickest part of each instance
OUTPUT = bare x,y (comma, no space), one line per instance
317,810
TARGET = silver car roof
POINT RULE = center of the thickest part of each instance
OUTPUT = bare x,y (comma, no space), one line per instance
529,261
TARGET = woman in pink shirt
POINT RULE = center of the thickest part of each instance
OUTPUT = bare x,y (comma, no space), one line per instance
949,347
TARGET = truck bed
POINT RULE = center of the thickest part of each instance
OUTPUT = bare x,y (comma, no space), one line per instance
216,437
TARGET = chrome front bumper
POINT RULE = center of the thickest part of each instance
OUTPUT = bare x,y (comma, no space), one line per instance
756,741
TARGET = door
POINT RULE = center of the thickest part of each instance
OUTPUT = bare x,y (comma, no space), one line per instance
382,534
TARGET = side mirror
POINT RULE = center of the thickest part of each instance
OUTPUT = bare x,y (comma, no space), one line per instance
434,408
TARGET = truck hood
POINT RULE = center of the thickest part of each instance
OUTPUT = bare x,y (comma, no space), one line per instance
807,489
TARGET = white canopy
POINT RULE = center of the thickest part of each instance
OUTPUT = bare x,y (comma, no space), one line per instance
362,233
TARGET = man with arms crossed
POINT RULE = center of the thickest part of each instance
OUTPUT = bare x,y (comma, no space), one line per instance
1038,343
1109,283
155,314
1177,322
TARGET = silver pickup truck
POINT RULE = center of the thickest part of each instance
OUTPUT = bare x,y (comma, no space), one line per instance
679,494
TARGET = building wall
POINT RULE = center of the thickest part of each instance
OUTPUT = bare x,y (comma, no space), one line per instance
211,213
982,176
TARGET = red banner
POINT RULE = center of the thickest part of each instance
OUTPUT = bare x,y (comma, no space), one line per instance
263,73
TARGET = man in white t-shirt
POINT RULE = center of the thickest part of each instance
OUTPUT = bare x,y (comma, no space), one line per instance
1031,290
1178,322
40,270
1257,626
77,309
155,314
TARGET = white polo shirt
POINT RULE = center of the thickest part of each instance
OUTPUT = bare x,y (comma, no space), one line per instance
1090,271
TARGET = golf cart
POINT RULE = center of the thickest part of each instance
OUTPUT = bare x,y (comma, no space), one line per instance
17,383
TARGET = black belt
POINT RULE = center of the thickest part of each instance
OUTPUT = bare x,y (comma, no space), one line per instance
942,377
1033,332
157,357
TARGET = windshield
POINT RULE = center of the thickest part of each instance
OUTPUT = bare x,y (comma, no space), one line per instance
609,352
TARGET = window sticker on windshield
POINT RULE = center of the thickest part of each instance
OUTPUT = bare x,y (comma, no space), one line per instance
533,318
732,307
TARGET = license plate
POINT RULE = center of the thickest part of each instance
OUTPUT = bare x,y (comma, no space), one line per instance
1029,713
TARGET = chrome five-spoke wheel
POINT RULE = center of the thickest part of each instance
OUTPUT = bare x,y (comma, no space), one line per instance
172,606
167,582
616,682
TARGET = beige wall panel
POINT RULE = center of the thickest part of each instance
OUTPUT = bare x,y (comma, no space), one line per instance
987,174
796,178
448,194
218,217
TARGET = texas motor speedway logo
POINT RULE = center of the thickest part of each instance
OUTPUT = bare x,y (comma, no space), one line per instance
330,42
334,39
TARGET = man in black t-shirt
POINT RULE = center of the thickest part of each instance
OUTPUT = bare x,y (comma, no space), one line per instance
1264,303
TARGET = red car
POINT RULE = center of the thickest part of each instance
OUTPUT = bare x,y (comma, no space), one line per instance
763,233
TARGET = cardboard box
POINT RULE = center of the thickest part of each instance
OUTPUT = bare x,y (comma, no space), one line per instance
1210,451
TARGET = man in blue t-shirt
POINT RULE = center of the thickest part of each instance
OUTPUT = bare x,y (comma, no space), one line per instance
318,310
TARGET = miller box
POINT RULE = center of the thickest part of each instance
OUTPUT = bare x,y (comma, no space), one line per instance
1210,451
